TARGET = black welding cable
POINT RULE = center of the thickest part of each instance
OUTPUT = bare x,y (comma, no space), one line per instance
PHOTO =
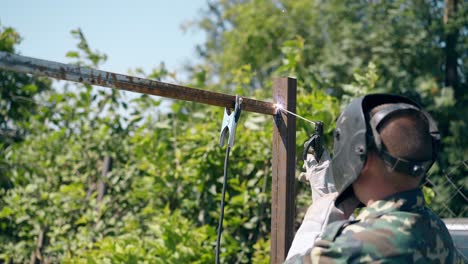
223,194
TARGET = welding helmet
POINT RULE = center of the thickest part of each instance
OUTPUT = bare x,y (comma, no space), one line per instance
356,133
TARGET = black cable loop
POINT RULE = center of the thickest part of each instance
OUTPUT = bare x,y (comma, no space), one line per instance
223,194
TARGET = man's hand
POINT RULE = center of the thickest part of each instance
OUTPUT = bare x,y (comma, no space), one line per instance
319,175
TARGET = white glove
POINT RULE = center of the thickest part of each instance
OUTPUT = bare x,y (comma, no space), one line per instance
319,175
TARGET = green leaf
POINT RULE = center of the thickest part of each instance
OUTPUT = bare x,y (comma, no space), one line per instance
72,54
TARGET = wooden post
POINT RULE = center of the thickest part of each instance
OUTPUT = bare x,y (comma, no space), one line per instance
283,162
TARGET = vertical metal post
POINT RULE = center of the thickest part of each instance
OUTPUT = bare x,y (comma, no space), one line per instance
283,162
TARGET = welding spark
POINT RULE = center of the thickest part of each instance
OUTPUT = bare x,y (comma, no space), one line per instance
280,107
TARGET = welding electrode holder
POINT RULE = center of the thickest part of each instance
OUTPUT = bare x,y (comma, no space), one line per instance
314,144
230,120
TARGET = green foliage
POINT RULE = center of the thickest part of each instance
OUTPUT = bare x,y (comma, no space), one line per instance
167,237
17,92
85,53
402,38
18,101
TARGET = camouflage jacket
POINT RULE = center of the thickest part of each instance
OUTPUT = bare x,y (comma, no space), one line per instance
398,229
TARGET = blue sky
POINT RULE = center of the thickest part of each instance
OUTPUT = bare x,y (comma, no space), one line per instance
138,33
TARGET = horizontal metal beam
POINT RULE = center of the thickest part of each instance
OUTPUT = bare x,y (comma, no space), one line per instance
23,64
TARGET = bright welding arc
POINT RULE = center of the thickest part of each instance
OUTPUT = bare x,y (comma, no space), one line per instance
280,107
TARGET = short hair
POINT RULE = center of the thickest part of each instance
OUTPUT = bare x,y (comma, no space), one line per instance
406,135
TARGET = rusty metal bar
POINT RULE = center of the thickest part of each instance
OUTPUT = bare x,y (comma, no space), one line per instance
23,64
283,170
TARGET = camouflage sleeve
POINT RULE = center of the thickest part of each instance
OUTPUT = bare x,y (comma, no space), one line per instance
354,245
344,250
348,242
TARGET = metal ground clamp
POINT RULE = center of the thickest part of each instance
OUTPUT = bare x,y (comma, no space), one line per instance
230,122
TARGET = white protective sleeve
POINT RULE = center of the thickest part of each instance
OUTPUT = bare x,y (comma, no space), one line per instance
317,217
323,210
